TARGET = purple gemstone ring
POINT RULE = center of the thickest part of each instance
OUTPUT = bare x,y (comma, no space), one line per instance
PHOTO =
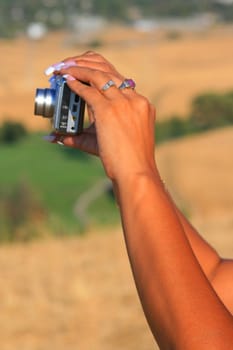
127,83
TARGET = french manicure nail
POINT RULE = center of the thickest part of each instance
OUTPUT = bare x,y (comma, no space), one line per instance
49,138
54,67
69,77
60,143
58,66
69,64
49,70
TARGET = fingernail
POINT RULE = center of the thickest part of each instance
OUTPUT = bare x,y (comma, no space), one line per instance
69,77
54,67
69,64
60,140
58,66
49,70
49,138
60,143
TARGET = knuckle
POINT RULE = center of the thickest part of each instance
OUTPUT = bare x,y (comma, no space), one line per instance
143,103
106,66
96,54
89,52
82,62
101,76
67,59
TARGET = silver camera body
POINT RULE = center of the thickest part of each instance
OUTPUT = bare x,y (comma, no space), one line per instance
61,105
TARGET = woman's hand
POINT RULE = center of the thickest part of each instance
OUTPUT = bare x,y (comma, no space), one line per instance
94,60
122,129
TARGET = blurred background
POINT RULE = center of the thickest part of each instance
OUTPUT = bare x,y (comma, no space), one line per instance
65,281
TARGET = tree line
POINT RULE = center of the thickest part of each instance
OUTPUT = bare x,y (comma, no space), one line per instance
209,111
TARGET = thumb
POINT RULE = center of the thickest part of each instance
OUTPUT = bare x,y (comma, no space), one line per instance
86,141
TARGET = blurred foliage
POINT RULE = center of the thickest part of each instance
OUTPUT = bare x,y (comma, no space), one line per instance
15,15
20,209
11,132
173,35
95,44
212,110
225,12
171,8
208,111
172,128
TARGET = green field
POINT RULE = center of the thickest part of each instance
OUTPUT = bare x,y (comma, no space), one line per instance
57,176
41,182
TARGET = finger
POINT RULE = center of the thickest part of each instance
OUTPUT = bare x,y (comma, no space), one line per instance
55,68
90,114
102,66
95,61
95,79
106,68
91,55
95,57
90,95
86,142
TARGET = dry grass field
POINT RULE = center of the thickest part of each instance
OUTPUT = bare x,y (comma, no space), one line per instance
169,72
78,293
73,294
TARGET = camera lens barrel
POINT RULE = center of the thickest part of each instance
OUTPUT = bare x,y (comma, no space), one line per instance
45,102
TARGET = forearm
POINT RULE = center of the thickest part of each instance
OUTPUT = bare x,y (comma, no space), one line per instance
206,255
165,269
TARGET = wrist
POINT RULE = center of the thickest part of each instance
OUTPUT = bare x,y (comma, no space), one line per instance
131,181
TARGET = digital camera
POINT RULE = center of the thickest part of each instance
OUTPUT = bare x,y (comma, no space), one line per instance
61,105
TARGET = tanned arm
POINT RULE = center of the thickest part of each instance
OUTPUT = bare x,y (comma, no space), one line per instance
170,282
180,304
218,270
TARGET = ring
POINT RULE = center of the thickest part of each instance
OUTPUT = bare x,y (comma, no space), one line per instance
109,84
127,83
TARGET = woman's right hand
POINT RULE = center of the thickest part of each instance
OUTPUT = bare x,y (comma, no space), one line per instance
87,141
122,121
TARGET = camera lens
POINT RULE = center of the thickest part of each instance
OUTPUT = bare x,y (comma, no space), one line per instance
45,102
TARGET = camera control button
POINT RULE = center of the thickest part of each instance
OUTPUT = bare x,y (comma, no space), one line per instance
77,98
75,109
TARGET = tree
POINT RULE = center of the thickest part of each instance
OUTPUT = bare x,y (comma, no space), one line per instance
212,110
11,132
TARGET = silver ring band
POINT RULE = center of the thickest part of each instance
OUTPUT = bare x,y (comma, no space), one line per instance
109,84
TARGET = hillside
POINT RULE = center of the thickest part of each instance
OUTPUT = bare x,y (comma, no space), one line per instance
78,293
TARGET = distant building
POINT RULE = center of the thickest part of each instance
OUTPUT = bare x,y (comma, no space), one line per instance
197,22
84,26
